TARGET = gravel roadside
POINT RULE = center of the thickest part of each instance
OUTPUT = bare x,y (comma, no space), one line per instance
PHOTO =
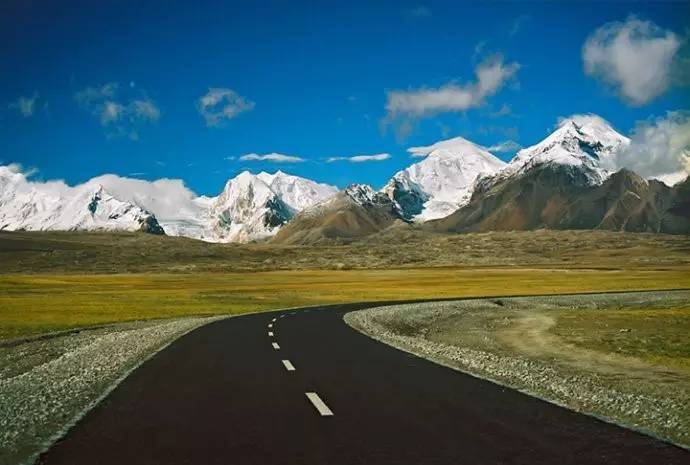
46,385
654,407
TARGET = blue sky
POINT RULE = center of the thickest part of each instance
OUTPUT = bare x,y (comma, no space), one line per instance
307,80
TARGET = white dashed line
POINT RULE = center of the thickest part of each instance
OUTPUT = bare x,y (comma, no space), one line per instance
276,346
270,325
273,320
270,333
319,405
288,365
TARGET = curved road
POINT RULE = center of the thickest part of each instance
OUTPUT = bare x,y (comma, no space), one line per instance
318,392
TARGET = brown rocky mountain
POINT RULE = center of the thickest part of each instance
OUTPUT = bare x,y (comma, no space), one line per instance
560,197
351,214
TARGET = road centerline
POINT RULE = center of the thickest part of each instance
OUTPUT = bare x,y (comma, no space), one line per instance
276,346
288,365
319,404
270,333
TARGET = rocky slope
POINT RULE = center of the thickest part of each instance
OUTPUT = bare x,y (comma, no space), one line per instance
357,211
561,196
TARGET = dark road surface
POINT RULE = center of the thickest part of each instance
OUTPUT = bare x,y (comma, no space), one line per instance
222,395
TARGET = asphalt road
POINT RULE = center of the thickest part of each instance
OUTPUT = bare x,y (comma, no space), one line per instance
224,395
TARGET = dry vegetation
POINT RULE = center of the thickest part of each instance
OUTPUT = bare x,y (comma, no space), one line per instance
57,281
72,252
34,304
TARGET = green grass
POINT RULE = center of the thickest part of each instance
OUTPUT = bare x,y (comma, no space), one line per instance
34,304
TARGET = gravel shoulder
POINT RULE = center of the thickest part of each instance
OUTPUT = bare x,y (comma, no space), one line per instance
47,384
583,352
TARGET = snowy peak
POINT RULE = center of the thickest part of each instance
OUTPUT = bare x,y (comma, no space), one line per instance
244,188
443,180
246,210
27,205
298,193
255,206
450,147
365,195
586,141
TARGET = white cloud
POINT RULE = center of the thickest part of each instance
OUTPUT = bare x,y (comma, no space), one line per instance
25,105
360,158
403,106
635,57
517,24
146,109
121,115
221,104
504,147
659,148
274,157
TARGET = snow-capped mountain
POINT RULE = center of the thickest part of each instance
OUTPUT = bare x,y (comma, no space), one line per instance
250,207
246,210
26,205
587,142
253,207
442,182
297,193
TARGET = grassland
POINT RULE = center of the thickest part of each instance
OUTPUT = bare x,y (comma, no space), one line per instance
57,281
34,304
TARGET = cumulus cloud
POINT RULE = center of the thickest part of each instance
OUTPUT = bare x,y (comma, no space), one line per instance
361,158
274,157
491,76
659,148
221,104
635,57
25,105
505,147
120,114
404,106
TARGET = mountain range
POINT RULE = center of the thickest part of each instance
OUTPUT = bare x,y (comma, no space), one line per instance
563,182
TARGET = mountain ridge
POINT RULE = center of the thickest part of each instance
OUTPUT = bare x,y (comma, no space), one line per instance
562,181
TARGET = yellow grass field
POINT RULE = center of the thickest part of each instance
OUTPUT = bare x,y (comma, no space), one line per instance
35,304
